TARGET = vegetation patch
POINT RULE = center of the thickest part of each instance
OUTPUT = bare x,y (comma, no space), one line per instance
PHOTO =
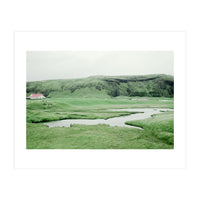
99,136
160,126
105,87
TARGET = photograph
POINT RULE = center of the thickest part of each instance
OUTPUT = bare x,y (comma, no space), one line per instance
99,100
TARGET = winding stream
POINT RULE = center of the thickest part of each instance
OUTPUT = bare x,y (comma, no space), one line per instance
115,121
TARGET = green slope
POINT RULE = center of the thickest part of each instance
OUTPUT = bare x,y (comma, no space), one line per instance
106,86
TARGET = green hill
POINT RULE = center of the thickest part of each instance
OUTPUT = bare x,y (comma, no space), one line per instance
105,86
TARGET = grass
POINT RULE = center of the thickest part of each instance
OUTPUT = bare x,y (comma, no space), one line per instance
155,85
86,108
160,126
90,137
157,133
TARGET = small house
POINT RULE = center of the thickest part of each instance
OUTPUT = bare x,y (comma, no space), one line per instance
36,96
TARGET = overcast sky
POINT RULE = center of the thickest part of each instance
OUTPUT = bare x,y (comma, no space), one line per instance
44,65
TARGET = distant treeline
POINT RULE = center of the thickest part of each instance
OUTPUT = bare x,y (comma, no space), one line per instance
149,85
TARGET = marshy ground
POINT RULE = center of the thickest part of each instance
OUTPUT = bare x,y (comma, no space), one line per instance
157,133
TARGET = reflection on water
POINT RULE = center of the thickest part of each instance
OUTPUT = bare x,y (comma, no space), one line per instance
115,121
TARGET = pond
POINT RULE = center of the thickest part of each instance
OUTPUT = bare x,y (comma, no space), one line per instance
115,121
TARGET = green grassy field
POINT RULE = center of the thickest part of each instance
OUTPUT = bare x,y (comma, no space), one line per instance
157,131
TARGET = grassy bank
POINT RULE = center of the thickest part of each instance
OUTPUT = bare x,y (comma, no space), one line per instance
101,136
160,126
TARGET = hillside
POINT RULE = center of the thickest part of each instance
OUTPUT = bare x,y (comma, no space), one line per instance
105,86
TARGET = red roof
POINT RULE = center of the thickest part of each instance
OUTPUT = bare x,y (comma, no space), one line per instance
36,95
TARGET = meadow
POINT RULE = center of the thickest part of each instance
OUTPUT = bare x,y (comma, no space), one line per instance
157,133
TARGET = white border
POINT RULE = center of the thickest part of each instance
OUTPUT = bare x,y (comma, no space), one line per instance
99,41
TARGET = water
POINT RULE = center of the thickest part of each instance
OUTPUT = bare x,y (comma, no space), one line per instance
115,121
